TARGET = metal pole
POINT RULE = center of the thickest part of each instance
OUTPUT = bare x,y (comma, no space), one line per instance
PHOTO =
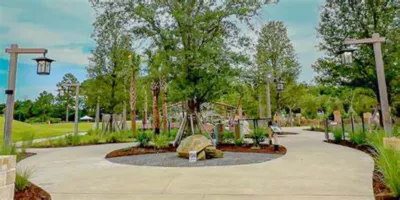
268,100
380,72
76,110
12,73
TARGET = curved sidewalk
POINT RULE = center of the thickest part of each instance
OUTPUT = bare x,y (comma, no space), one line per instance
311,169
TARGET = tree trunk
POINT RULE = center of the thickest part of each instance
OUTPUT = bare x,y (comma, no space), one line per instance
164,106
132,103
144,121
291,117
260,114
155,88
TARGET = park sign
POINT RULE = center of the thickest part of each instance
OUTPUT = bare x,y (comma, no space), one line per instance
192,156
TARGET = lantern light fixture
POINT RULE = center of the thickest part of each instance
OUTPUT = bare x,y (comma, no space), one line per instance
280,86
43,65
346,56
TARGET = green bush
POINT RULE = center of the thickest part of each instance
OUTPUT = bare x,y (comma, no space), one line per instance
144,138
240,142
258,136
388,162
114,138
358,137
22,179
172,134
72,140
160,141
60,142
228,136
94,139
94,132
55,120
337,134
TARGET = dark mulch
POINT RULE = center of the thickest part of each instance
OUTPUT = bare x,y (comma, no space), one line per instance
381,190
224,147
32,192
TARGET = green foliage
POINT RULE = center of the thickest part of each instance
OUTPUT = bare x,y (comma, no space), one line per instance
22,179
172,134
95,139
93,132
72,140
228,136
240,142
337,134
358,137
258,136
144,138
160,141
387,161
114,138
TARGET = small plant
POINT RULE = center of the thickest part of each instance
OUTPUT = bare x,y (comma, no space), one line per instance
92,132
22,179
240,142
337,135
172,134
160,141
114,138
357,137
388,162
258,136
94,139
144,138
60,142
72,140
228,136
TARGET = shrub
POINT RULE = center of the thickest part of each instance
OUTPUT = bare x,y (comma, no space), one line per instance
258,136
228,136
94,132
160,141
60,142
240,142
72,140
94,139
114,138
22,179
388,162
172,134
358,137
144,138
55,120
337,135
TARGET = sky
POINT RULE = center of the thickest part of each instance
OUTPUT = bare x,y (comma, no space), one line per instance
64,27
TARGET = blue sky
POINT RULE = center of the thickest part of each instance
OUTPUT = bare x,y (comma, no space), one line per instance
64,27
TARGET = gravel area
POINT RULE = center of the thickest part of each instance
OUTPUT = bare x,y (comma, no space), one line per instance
171,159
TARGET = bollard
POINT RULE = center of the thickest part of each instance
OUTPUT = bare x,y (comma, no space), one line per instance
276,145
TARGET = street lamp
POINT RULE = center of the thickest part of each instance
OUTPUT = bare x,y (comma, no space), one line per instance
280,85
346,56
377,41
44,65
77,85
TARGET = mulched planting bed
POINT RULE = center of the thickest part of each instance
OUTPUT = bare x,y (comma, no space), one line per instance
381,190
167,157
32,192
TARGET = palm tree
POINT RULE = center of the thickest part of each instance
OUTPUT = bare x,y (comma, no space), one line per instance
155,90
134,62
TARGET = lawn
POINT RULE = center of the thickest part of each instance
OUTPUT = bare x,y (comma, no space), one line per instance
22,130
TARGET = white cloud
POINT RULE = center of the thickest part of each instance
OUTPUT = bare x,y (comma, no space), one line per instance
28,34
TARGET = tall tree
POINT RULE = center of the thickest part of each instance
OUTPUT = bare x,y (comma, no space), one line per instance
69,92
43,105
359,19
275,55
134,68
109,58
199,35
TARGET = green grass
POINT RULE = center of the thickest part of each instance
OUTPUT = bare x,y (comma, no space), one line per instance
21,129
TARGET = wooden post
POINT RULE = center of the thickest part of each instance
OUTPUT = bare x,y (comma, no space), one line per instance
344,136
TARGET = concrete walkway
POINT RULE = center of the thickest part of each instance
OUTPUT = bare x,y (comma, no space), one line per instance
311,169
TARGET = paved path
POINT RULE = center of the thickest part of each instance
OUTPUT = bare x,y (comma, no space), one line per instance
311,169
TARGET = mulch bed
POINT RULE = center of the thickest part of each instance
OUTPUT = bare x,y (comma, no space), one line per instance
224,147
32,192
381,190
